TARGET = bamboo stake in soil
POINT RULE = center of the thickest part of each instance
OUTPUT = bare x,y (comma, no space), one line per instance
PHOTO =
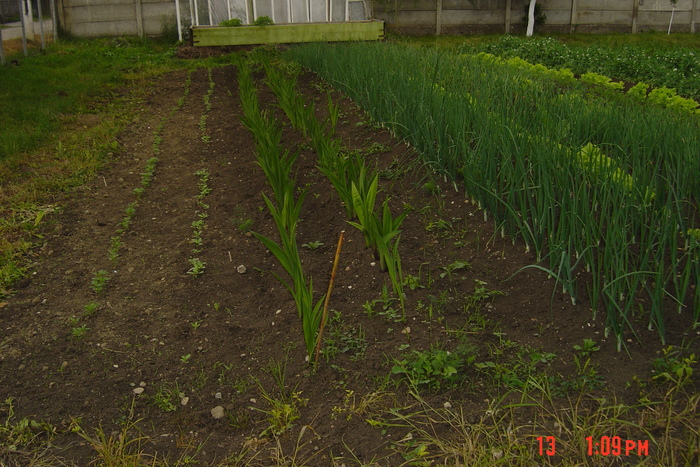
328,296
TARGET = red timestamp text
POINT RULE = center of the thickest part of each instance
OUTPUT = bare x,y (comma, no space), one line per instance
603,446
547,445
616,446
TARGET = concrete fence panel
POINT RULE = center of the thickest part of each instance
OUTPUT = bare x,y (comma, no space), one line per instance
128,17
96,18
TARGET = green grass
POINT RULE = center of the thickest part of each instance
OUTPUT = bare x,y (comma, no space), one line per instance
40,93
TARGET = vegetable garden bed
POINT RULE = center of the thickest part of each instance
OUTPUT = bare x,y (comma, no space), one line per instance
203,36
155,327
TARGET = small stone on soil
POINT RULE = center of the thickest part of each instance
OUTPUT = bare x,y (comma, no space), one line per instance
241,269
138,391
218,412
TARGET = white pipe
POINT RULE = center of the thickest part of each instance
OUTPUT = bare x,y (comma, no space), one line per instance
308,11
255,12
196,13
531,19
179,20
24,28
670,23
247,12
289,11
41,24
272,7
228,9
330,9
30,14
347,10
211,17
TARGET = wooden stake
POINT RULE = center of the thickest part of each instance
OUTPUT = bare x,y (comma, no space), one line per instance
328,296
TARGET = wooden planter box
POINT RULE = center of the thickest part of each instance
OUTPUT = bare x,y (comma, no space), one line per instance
286,33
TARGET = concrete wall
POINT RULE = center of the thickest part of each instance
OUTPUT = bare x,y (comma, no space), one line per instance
94,18
8,8
500,16
90,18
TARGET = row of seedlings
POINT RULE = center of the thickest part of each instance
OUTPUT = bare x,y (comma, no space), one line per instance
355,183
197,266
285,209
100,279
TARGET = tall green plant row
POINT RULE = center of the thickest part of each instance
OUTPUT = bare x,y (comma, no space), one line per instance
588,181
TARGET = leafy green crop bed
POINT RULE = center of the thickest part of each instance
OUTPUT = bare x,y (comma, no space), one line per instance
672,66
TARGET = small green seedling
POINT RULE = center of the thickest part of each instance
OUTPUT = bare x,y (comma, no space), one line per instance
432,187
90,308
243,224
673,367
99,281
197,267
166,397
79,331
313,246
456,266
412,282
481,293
589,346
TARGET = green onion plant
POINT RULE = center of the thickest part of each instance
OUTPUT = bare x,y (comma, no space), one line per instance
587,178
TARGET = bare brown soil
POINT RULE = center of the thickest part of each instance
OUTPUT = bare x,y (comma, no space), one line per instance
152,314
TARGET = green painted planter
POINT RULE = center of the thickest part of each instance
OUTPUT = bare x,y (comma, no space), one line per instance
282,33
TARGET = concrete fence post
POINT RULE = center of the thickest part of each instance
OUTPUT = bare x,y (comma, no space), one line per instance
438,17
54,20
23,18
30,19
693,15
2,50
139,17
574,16
508,8
41,24
635,14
